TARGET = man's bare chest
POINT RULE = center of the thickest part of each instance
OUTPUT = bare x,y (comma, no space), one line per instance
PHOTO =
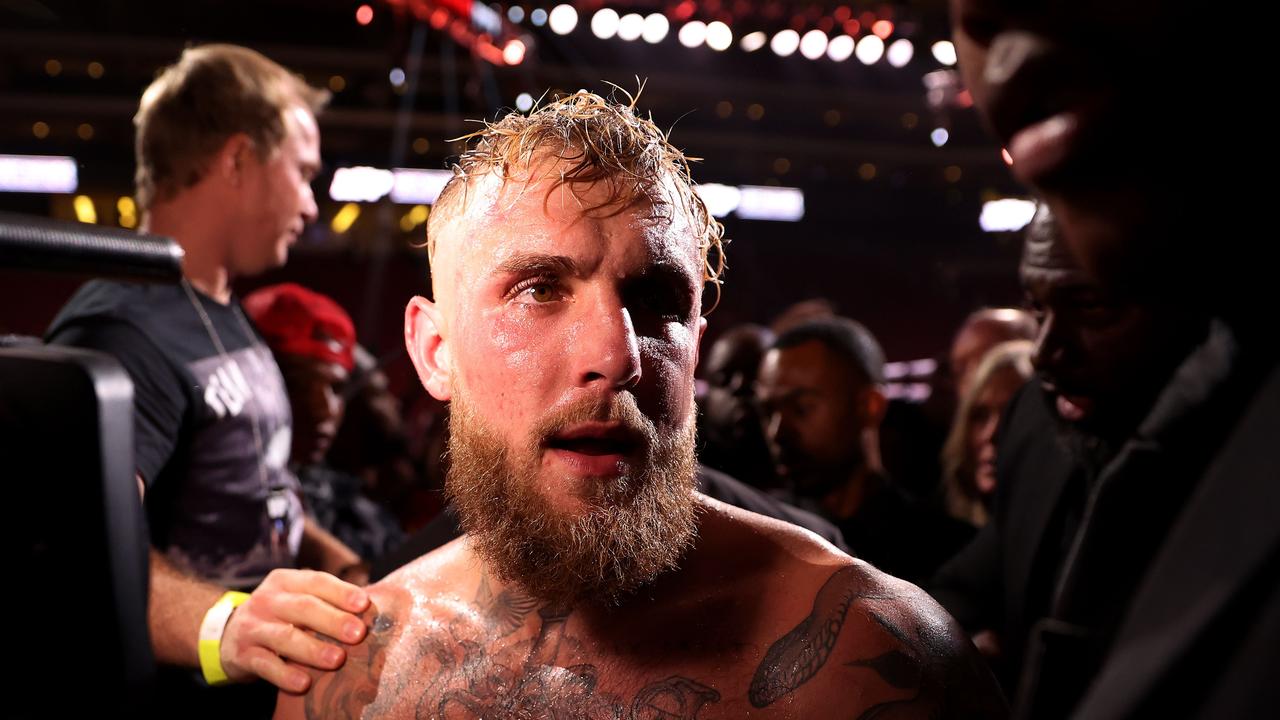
464,669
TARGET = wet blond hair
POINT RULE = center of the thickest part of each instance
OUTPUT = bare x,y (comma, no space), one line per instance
592,139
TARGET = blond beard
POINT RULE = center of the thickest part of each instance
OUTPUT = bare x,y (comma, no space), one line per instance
631,529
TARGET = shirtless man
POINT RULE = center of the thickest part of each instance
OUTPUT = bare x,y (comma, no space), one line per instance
569,255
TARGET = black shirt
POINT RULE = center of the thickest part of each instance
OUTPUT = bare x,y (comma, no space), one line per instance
208,487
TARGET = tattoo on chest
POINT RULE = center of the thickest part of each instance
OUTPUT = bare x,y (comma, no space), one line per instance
477,671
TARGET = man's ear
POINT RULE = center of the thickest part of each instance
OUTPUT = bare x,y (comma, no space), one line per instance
231,160
874,406
428,348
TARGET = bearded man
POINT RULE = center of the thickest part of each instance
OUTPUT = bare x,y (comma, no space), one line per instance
569,255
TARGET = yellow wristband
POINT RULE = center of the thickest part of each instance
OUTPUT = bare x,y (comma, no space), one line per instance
210,646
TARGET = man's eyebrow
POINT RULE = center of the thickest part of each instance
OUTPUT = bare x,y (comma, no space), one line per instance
537,264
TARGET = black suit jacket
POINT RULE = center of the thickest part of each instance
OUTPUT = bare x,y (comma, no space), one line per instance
1003,579
1169,604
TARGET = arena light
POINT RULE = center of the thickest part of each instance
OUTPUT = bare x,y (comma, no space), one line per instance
38,174
417,215
939,136
840,48
410,186
923,367
513,52
85,211
911,392
604,24
345,218
656,27
896,370
900,52
360,184
515,14
814,44
538,17
486,19
563,19
771,203
719,36
870,49
944,52
524,102
630,27
415,186
692,34
1006,214
785,42
752,42
127,212
719,199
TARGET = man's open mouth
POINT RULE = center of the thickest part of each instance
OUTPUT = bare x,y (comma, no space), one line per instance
596,447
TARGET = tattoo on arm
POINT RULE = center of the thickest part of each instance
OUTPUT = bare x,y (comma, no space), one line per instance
947,682
346,693
801,653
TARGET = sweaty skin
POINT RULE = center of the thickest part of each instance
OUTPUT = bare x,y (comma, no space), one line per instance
763,620
542,302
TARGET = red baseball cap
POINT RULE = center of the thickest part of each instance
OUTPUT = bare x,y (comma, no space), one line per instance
299,321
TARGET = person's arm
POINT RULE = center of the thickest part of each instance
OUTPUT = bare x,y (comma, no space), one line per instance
269,636
322,551
353,688
273,622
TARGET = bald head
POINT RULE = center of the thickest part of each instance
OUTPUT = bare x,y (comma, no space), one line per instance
1043,246
981,331
734,359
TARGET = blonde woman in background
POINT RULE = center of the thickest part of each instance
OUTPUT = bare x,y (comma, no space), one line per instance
969,455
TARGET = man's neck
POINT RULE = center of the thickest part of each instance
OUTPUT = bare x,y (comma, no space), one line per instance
204,259
846,500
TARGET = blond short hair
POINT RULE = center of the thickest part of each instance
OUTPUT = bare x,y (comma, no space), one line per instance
599,140
212,93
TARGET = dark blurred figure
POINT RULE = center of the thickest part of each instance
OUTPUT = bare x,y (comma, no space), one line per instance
981,331
372,443
1170,601
820,393
801,313
1103,356
969,456
730,433
313,339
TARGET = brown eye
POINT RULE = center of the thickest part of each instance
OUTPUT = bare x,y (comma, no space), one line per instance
542,293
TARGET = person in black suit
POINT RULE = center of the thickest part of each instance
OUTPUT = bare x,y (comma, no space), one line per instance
1169,602
1101,360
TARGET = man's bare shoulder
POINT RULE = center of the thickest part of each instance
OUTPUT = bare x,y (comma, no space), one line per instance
873,646
447,568
408,606
726,526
